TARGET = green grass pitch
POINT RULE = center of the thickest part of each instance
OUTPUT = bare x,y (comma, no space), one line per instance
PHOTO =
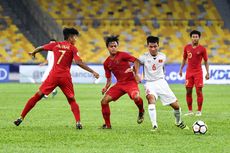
50,126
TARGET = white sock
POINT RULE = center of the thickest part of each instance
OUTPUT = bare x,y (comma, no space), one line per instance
177,114
54,90
152,114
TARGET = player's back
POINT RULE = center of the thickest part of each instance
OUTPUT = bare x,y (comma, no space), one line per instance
64,53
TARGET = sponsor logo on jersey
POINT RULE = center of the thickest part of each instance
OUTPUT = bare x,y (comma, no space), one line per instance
160,60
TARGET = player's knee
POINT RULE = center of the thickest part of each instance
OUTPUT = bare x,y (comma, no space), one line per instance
135,95
40,93
151,99
199,91
104,101
70,99
175,105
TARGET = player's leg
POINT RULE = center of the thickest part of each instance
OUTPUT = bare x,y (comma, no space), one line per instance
152,110
112,94
189,86
199,93
167,97
29,105
199,100
105,109
134,93
45,88
151,96
177,113
66,86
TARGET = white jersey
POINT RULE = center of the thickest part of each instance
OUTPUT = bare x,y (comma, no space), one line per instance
153,66
154,75
50,59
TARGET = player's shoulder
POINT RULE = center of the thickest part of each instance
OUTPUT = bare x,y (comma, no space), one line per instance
146,54
188,45
123,53
201,46
106,61
161,54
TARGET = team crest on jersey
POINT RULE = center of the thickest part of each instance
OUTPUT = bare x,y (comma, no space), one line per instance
160,60
189,54
198,53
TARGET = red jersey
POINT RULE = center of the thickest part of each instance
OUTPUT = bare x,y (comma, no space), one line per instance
64,53
118,65
194,56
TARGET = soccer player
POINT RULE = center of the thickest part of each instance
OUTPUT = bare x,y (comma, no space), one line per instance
49,60
155,84
64,53
194,53
117,63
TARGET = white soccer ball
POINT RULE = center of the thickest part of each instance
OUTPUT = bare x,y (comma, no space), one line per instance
199,127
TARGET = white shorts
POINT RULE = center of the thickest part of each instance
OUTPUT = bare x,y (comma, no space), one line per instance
160,88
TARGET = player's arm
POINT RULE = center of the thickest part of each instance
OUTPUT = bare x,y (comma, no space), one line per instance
36,50
183,62
205,57
182,66
107,85
136,68
207,69
85,67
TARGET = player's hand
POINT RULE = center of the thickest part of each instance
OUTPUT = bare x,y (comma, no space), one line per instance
207,76
103,90
138,78
96,75
128,70
180,73
32,54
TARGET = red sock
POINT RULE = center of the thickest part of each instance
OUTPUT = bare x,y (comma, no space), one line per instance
30,104
199,99
106,114
139,103
189,101
75,109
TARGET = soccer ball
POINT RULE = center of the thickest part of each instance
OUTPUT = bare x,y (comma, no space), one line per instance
199,127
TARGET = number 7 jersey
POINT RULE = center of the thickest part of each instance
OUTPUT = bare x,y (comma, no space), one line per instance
64,53
153,66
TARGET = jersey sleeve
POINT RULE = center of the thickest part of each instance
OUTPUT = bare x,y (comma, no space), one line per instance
107,71
76,56
185,53
205,55
142,59
49,47
128,57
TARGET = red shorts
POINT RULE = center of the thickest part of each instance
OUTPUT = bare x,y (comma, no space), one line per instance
65,84
194,78
119,89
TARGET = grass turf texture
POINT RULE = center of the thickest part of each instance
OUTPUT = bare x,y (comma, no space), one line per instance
50,126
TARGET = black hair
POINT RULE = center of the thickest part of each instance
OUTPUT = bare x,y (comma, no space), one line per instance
111,39
67,32
195,32
152,39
